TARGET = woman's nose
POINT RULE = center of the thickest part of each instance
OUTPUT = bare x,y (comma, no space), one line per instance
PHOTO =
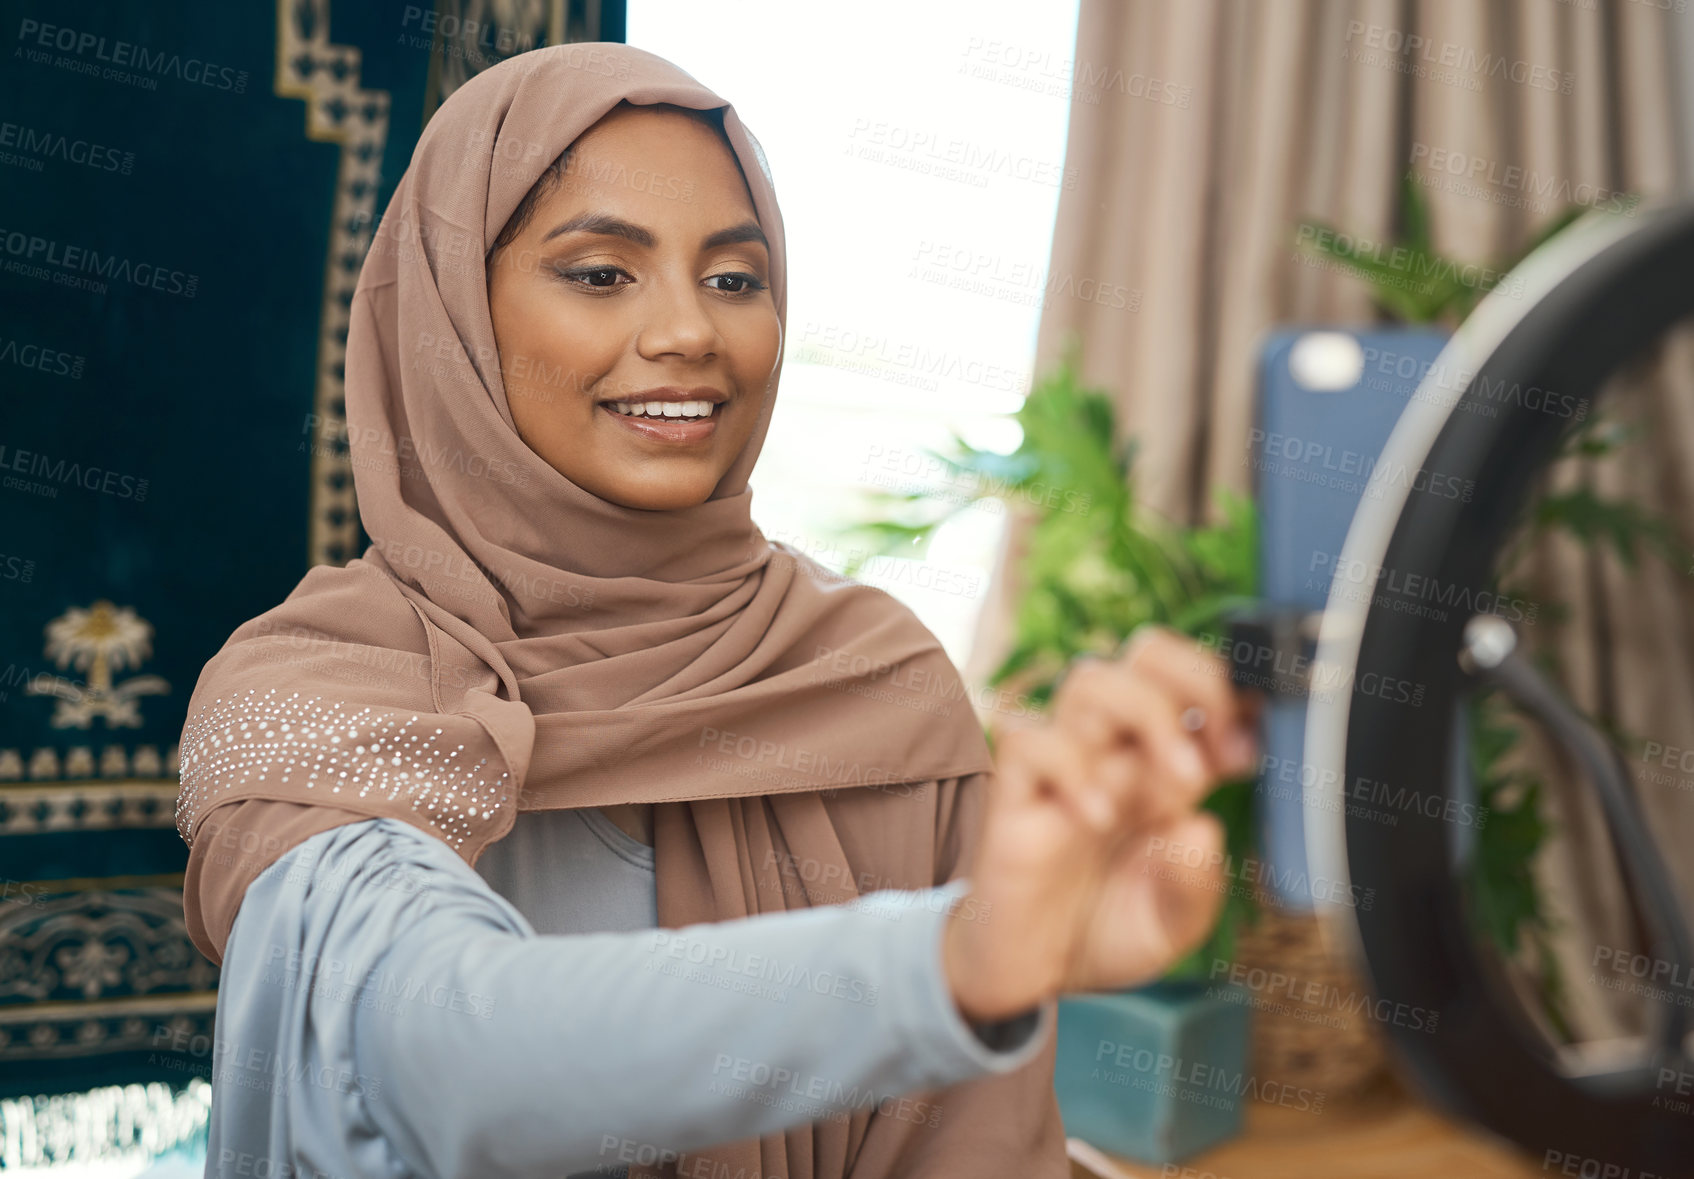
678,323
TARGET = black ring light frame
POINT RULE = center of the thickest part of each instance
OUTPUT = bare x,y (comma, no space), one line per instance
1570,316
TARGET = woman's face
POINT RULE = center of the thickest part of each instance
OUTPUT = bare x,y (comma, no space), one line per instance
642,280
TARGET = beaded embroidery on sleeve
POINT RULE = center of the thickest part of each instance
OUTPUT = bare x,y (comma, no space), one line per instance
360,751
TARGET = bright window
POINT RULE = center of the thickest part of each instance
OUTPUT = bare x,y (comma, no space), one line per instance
918,151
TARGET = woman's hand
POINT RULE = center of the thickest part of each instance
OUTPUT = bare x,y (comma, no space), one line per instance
1066,891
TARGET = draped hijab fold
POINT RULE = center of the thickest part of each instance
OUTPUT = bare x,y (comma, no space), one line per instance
512,642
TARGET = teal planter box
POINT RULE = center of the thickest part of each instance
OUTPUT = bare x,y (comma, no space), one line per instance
1158,1073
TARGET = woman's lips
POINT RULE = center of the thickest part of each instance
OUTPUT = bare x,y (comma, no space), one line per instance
674,430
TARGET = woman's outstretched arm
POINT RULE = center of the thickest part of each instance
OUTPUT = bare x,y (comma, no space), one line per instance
382,1011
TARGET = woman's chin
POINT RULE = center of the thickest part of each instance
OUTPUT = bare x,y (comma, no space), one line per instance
658,494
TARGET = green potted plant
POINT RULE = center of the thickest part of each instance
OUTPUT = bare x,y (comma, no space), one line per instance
1099,564
1411,283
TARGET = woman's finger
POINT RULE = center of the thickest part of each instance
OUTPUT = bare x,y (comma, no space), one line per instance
1106,706
1045,760
1193,889
1199,678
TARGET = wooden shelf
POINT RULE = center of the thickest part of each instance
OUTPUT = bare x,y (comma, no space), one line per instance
1380,1134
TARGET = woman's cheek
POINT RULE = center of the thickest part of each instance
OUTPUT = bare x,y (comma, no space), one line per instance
576,353
757,351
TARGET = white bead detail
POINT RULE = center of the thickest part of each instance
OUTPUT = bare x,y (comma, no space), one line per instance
230,740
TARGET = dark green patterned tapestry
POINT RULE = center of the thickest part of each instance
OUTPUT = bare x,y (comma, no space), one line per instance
186,194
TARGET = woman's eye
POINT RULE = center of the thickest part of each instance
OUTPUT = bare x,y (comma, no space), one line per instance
599,278
740,284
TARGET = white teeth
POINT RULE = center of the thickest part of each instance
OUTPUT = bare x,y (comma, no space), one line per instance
664,409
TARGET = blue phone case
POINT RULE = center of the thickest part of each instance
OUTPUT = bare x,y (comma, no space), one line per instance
1313,451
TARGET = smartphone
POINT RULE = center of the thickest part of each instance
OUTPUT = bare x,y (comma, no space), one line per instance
1328,398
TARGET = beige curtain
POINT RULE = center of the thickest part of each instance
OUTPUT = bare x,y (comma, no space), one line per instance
1283,110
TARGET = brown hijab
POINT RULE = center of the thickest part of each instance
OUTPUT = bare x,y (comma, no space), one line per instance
511,642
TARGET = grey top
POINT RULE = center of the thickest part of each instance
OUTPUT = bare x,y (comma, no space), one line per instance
574,871
385,1010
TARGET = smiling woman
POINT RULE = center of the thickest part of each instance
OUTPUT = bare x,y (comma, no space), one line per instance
414,883
636,328
439,957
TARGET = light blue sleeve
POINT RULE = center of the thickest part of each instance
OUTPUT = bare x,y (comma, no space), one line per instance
382,1011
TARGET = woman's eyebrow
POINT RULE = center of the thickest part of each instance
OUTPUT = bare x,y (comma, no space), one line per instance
747,231
610,226
602,223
